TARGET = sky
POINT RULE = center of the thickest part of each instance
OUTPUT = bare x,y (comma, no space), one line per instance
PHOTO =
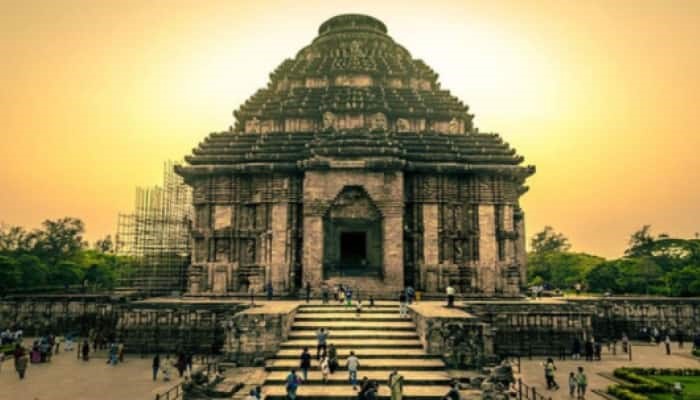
602,96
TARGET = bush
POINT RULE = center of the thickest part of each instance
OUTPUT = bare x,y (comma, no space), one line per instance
639,383
625,394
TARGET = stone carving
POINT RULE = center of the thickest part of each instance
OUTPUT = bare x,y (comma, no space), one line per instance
402,125
253,125
353,202
328,120
453,127
378,122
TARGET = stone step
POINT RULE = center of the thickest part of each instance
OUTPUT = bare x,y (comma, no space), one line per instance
361,353
355,325
356,334
413,364
336,392
342,309
349,317
418,378
359,343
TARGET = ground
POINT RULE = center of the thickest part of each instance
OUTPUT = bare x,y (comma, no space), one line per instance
67,378
644,355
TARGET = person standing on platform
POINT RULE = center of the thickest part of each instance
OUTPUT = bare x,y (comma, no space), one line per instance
21,360
292,385
156,366
269,290
332,358
324,293
581,383
86,350
348,297
403,306
325,369
450,295
667,342
341,295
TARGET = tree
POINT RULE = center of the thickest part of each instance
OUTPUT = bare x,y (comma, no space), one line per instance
604,277
60,240
548,241
14,239
32,271
9,273
65,273
640,243
104,245
685,282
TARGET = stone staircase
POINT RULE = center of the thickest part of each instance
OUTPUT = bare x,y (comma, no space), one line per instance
380,339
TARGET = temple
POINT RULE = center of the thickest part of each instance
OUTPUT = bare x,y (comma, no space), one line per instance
353,165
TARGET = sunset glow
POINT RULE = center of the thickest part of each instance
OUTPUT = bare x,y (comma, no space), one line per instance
602,96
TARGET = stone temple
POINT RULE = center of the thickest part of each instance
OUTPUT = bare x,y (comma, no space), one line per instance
354,166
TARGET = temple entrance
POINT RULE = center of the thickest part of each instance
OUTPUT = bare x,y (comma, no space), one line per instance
352,236
353,249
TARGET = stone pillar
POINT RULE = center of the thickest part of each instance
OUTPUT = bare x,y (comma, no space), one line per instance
509,227
279,244
519,247
487,249
313,250
392,231
430,234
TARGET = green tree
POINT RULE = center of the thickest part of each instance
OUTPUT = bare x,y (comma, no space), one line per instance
32,271
548,240
105,245
9,273
59,240
65,273
604,277
640,243
685,282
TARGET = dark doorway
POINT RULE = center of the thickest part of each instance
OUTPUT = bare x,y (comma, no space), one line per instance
353,249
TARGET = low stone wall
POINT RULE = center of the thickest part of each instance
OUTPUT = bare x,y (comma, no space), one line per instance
254,335
169,325
61,314
458,337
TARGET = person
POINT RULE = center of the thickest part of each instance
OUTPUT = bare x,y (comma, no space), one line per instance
188,362
453,393
549,369
589,349
305,363
680,339
410,294
598,347
581,383
2,359
86,350
325,369
308,291
572,384
269,289
292,385
576,348
258,393
251,291
358,308
364,387
321,337
348,297
577,287
58,344
625,342
371,301
353,364
21,360
69,342
396,385
156,365
120,351
251,395
324,293
165,368
332,358
667,342
371,392
181,364
341,294
403,305
450,295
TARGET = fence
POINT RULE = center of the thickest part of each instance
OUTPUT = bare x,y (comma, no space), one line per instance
174,393
529,393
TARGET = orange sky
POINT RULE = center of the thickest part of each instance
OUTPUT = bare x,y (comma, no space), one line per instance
602,96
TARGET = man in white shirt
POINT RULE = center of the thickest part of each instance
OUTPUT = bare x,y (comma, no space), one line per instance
450,296
353,364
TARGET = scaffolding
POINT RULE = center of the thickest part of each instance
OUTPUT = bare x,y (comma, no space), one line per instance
156,235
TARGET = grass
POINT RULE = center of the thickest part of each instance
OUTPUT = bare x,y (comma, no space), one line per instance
691,387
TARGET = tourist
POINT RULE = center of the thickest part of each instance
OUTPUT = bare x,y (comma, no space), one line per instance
269,289
332,358
453,393
353,365
395,385
258,393
86,350
325,369
188,362
364,387
403,305
680,339
358,308
21,360
251,395
165,368
549,369
156,366
576,348
2,359
625,342
410,294
371,392
305,363
292,385
667,342
348,297
308,291
589,349
572,384
371,301
598,349
341,294
251,291
321,337
581,383
450,295
181,364
324,293
120,352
